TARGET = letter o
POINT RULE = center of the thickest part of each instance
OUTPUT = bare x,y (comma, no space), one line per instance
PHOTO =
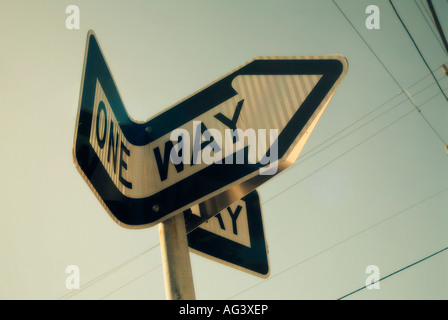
101,108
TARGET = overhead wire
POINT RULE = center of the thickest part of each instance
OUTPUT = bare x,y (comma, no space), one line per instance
345,240
394,273
359,127
387,70
426,64
303,158
348,150
427,22
106,274
416,47
437,24
132,280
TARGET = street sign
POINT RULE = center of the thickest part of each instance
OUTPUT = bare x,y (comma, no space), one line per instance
212,148
234,237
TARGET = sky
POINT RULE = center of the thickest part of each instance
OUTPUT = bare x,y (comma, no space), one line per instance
369,188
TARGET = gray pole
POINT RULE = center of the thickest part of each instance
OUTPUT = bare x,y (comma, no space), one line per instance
176,259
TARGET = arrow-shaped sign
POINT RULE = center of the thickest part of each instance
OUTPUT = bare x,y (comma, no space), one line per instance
213,147
234,237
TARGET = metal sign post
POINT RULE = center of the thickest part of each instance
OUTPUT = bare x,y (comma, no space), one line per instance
176,259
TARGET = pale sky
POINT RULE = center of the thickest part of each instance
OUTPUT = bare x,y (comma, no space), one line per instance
373,194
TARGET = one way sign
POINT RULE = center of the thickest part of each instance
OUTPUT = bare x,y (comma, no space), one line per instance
212,148
234,237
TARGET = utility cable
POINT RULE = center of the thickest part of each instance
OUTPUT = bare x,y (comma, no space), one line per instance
346,239
133,280
356,129
416,47
437,24
394,273
427,22
387,70
106,274
347,151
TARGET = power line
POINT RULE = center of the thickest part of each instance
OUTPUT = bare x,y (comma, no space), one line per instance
394,273
424,60
361,126
346,239
133,280
347,151
416,47
427,22
367,44
107,273
387,70
437,24
358,120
